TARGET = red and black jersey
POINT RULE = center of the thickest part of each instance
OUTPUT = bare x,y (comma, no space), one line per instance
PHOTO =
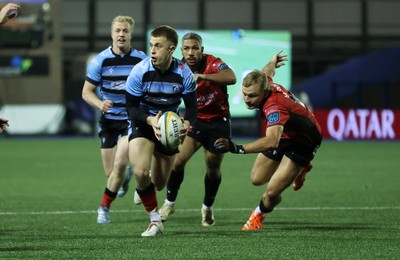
284,108
212,98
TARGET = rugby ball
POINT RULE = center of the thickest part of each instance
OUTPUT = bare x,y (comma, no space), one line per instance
170,127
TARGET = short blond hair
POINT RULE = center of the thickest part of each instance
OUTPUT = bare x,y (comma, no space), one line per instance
124,19
257,78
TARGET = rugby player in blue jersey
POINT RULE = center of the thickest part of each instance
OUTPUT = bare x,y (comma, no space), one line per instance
155,85
109,71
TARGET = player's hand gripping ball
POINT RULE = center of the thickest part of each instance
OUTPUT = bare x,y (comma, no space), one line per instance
170,127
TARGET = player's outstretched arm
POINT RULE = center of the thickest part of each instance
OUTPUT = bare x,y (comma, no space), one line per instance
270,141
225,144
223,77
276,61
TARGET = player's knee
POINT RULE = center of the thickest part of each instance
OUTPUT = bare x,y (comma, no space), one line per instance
256,180
140,172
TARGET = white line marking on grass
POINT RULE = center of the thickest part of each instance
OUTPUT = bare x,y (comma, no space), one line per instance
190,210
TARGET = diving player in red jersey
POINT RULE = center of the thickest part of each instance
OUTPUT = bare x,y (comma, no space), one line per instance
291,140
213,122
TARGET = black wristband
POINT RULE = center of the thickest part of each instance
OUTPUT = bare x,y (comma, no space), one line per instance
236,148
240,149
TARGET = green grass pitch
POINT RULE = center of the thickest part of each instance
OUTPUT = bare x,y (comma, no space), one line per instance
348,208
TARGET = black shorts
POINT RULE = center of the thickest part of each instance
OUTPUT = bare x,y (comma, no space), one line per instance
208,132
142,129
111,130
298,153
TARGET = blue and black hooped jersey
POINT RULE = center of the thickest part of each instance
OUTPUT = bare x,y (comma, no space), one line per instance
160,91
109,72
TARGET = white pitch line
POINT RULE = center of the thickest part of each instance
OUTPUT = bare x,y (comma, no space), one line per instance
190,210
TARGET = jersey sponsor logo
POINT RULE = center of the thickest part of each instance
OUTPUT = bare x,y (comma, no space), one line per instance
273,118
175,88
118,84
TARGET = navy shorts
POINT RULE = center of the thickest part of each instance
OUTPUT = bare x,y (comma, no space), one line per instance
141,129
110,131
207,133
298,153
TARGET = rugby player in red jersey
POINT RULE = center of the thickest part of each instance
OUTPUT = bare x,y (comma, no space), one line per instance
291,139
213,122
